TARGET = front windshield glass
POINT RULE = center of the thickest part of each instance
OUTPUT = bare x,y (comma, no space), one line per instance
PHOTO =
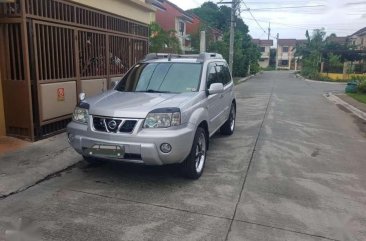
162,78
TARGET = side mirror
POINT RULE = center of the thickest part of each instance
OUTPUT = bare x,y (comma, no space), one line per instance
216,88
114,83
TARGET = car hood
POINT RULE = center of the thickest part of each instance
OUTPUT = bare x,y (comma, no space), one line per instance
134,104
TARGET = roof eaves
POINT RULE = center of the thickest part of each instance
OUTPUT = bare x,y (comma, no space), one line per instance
157,4
361,31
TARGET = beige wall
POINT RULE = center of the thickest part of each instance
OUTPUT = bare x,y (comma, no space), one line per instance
2,117
264,64
265,55
52,105
360,42
266,52
285,56
134,9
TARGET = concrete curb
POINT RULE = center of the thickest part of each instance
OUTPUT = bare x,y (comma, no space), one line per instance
245,79
319,81
335,99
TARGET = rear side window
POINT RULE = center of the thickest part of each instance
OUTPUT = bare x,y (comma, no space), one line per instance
223,74
212,75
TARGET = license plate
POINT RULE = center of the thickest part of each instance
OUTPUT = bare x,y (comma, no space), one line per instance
111,151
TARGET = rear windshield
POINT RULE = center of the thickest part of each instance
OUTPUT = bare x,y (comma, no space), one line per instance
162,78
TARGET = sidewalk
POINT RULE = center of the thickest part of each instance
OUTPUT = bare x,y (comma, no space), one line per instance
352,105
33,162
8,144
353,102
241,80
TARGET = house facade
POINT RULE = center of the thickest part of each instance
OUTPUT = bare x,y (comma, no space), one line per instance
265,49
53,50
358,39
285,55
175,18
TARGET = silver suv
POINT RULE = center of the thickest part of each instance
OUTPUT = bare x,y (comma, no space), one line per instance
163,111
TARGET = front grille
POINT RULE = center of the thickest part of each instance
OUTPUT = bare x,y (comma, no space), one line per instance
113,125
128,126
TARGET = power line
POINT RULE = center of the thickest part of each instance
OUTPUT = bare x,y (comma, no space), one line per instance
253,16
300,26
276,3
260,26
290,7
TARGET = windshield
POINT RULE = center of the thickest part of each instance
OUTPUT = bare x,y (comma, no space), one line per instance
162,78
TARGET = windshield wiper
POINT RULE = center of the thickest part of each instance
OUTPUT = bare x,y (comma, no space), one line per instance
155,91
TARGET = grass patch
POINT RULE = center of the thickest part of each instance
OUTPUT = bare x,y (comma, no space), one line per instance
358,96
236,80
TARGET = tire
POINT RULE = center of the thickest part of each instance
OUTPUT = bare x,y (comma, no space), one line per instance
195,162
229,126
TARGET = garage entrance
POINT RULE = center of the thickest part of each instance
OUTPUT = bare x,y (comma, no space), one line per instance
54,50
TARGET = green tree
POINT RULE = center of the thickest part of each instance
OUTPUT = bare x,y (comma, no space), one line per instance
245,52
218,17
332,63
319,48
311,53
161,40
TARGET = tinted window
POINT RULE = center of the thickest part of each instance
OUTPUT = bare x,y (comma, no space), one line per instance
162,77
227,74
211,75
223,74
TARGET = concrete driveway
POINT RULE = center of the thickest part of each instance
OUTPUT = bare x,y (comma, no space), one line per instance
294,170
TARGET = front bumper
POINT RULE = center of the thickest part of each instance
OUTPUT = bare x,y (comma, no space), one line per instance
142,146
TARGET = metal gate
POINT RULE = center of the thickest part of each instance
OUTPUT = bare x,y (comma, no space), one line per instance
72,48
15,80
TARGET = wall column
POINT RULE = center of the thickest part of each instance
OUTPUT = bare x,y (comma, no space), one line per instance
2,115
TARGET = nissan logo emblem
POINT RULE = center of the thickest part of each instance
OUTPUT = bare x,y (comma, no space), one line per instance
112,124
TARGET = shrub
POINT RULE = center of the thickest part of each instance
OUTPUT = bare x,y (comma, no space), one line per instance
362,86
324,78
358,77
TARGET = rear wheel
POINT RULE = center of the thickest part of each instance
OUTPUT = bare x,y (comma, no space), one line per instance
194,164
229,126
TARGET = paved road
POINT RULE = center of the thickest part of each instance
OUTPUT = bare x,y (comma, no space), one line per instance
294,170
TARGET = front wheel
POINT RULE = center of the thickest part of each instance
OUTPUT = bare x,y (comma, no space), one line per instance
229,126
194,164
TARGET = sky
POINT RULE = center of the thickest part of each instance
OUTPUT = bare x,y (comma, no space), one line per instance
291,18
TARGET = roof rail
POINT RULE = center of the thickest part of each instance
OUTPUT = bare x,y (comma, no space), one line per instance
200,57
206,56
152,56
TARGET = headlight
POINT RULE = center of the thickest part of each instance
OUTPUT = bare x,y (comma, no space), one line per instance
162,120
80,115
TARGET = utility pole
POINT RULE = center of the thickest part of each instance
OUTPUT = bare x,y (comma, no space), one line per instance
232,34
269,30
278,36
234,5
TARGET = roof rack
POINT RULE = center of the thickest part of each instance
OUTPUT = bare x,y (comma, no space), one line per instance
206,56
200,57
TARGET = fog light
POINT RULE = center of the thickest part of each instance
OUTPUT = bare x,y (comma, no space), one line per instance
165,147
